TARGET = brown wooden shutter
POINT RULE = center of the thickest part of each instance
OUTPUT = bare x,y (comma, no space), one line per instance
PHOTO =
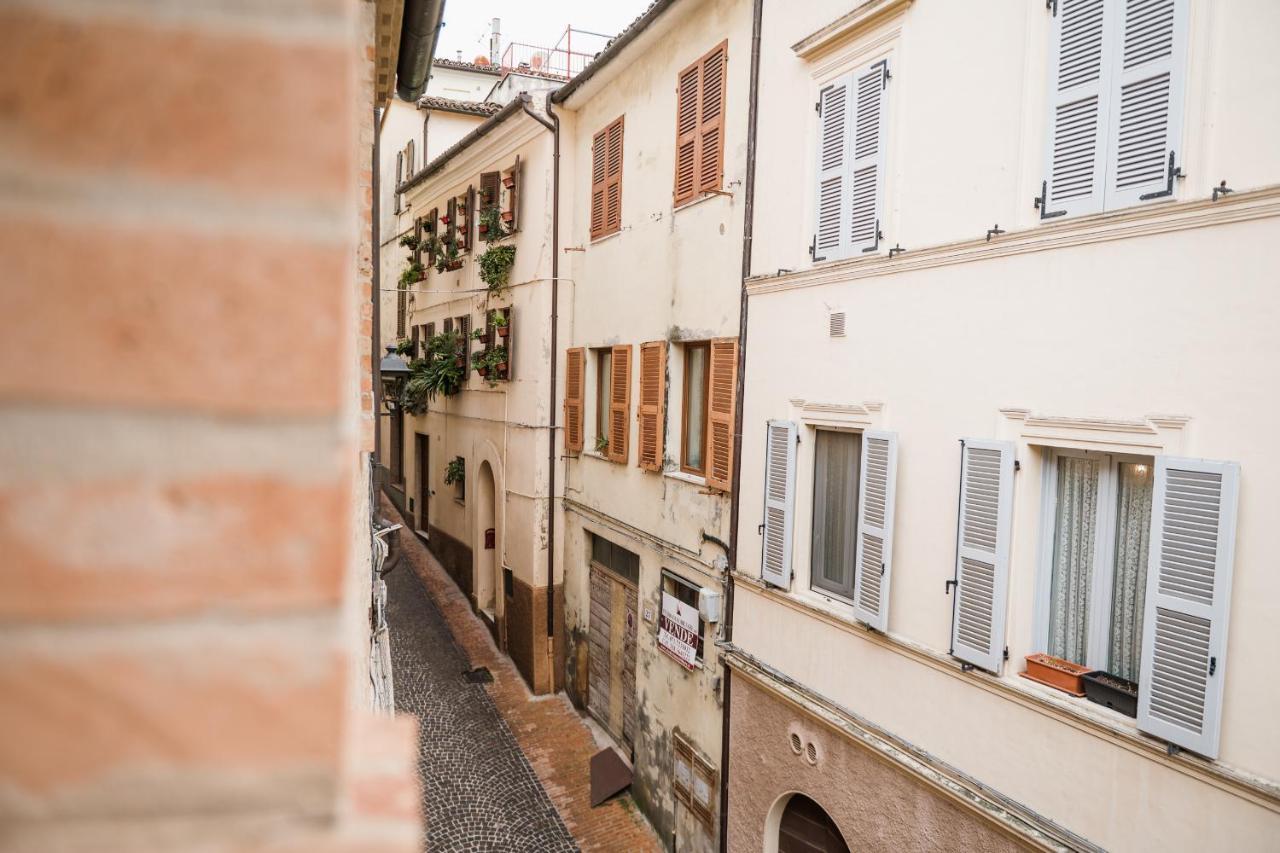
452,213
489,184
464,345
399,178
448,325
402,308
431,331
613,180
513,198
468,218
433,226
723,370
653,370
417,233
711,119
620,403
687,91
574,369
415,342
598,146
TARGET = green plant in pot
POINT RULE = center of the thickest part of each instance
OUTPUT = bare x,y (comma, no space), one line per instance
412,274
500,322
491,364
602,444
480,335
495,267
455,473
410,242
404,347
437,372
491,227
447,255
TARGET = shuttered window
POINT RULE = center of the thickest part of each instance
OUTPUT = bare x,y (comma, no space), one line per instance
574,377
779,502
395,190
466,214
511,180
619,402
653,375
1187,602
879,467
700,98
720,402
1117,76
693,433
606,180
431,227
490,189
849,195
982,565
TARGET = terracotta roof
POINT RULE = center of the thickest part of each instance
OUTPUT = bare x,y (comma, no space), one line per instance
475,108
457,65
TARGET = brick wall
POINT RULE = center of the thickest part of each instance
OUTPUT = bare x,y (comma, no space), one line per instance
185,410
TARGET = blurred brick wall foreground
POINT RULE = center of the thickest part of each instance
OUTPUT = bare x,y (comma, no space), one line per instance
184,423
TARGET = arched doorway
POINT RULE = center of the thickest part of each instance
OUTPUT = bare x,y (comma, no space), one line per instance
485,545
807,828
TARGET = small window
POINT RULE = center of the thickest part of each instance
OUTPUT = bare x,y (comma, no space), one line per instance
680,620
604,373
615,558
694,430
1100,509
837,459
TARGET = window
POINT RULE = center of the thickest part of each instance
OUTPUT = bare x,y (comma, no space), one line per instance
1100,508
700,94
604,372
606,180
693,432
615,558
849,194
395,190
681,629
1117,70
837,460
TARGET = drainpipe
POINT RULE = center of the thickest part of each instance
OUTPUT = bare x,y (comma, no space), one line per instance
757,16
375,294
554,127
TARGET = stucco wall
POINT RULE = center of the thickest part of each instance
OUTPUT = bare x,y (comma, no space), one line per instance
876,805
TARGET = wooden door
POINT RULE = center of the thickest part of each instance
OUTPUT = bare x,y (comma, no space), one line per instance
421,448
611,692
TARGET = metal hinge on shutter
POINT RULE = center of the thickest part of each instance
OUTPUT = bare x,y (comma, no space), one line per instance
1174,172
1042,203
1052,6
874,247
813,249
818,106
884,68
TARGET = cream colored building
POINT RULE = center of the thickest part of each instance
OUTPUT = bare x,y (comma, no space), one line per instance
654,146
1011,349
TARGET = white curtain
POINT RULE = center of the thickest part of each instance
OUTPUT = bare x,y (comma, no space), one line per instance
1133,537
838,455
1076,526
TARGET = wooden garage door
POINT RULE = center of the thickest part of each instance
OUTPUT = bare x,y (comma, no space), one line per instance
611,694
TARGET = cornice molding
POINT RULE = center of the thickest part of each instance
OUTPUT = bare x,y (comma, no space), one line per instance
848,26
1135,222
486,154
1153,433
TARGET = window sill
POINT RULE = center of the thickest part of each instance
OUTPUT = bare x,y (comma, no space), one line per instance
603,238
700,198
685,477
597,455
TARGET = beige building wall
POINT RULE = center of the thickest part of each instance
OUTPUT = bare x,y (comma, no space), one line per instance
667,275
1147,330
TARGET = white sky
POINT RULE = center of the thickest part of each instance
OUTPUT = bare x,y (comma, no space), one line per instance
537,22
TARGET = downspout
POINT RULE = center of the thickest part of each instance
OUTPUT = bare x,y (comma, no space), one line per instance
757,16
375,295
554,127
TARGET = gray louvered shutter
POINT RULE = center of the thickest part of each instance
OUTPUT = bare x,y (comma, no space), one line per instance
1078,108
1147,96
866,179
982,567
779,502
875,528
1184,628
831,238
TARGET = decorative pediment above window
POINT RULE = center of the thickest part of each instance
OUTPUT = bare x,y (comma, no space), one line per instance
865,415
1153,434
864,16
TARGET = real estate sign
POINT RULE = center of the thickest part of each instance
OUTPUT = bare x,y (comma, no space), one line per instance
678,631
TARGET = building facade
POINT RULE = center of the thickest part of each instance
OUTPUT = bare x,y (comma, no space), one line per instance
1010,308
654,147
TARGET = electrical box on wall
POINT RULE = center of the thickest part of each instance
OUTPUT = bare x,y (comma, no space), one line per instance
709,604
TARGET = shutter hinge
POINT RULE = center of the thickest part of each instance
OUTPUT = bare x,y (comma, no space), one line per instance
1052,6
813,249
951,583
817,106
1174,172
1042,203
1017,466
1006,652
1213,665
882,570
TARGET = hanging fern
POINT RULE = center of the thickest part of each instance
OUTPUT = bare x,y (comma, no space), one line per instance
495,267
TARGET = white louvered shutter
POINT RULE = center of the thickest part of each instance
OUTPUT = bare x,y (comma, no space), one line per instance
831,238
1078,107
982,570
1184,628
866,179
875,528
1146,100
779,502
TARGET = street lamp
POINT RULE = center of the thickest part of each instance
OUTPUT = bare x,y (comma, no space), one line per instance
394,371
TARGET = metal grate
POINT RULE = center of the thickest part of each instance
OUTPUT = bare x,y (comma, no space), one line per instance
835,324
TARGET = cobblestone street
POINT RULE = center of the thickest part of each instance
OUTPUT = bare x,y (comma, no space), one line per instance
501,769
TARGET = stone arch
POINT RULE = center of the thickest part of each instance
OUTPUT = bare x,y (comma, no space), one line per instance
796,821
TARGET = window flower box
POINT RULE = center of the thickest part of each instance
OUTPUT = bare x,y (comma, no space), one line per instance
1057,673
1116,693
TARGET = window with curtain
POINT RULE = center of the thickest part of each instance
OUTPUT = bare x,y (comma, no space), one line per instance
694,433
837,459
1097,562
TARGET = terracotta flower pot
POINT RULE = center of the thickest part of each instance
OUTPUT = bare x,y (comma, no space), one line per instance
503,331
1056,672
454,265
507,216
483,338
502,368
484,229
483,371
509,181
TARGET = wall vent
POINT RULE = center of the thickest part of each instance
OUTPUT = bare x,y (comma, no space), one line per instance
836,324
811,753
796,746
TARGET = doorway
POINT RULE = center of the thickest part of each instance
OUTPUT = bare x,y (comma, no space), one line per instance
807,828
486,547
611,690
421,454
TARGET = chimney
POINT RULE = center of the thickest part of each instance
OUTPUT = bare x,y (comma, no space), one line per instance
459,55
495,41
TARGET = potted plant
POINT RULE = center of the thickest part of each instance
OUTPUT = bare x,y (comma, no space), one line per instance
447,258
437,372
410,241
404,347
509,180
508,216
412,274
602,444
501,323
495,266
491,364
491,224
480,335
1118,694
446,219
1056,672
455,473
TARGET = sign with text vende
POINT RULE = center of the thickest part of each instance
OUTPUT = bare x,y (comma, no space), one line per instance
678,631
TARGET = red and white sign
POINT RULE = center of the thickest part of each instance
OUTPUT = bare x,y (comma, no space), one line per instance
678,631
